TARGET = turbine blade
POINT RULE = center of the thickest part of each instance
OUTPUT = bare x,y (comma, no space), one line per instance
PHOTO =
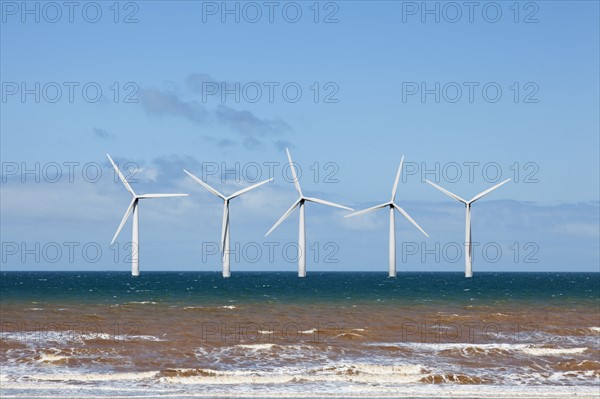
121,177
141,196
245,190
132,204
206,186
448,193
285,216
407,216
397,179
296,181
320,201
481,194
371,209
225,226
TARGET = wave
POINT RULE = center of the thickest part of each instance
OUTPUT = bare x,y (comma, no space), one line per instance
543,351
341,379
583,365
469,349
69,336
348,335
451,378
256,347
90,377
51,358
362,373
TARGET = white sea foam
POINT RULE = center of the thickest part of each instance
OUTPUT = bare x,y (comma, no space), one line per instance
469,348
50,358
348,334
361,373
69,336
536,351
286,390
340,380
256,347
95,376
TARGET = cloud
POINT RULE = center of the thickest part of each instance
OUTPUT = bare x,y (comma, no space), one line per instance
251,143
577,229
101,133
248,124
367,222
245,123
219,142
161,103
196,80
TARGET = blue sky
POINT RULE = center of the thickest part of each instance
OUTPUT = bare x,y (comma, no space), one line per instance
369,63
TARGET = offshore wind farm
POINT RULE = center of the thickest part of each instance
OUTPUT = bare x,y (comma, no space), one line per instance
299,199
299,203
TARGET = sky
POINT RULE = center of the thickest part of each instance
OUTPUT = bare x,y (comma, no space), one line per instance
470,94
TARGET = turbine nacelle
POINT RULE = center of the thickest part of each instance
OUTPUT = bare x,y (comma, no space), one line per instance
300,201
464,201
392,203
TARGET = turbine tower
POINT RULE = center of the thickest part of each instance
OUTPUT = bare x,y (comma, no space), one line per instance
300,204
133,208
392,205
225,229
468,238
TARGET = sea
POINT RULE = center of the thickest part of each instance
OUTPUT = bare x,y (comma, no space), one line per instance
272,334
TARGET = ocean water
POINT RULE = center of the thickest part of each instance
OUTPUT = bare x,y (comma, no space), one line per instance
100,334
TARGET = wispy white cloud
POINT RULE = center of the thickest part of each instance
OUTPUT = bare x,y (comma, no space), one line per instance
253,129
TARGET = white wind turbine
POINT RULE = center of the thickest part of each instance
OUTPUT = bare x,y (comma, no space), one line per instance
133,207
468,247
300,204
392,205
225,229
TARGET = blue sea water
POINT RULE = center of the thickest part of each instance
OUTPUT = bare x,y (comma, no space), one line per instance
198,287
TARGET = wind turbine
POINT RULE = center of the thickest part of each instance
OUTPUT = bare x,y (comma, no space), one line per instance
392,205
133,207
300,204
468,247
225,230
